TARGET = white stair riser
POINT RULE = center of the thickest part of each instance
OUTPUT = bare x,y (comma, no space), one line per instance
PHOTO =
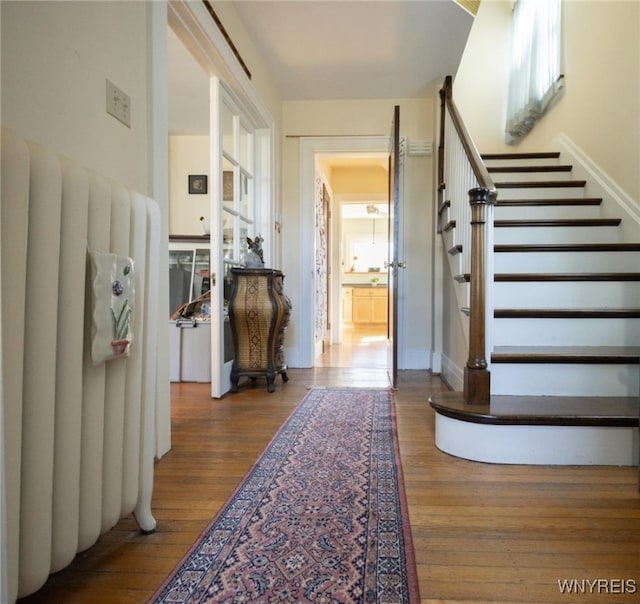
454,260
540,193
566,262
566,332
536,212
549,234
565,380
455,265
450,239
539,161
499,177
592,294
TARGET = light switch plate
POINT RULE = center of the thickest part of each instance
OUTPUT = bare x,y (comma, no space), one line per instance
118,104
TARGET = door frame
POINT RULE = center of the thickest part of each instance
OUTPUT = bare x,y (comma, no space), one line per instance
309,148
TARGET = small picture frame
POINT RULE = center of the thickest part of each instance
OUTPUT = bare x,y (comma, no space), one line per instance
197,184
227,185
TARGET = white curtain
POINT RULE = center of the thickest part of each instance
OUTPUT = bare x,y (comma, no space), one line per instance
535,79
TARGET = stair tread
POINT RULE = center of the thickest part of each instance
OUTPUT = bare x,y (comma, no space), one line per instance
542,410
532,168
539,184
554,201
444,205
567,354
599,276
533,155
567,247
554,277
556,222
561,313
587,350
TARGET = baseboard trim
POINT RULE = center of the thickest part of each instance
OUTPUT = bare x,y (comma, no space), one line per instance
600,184
452,373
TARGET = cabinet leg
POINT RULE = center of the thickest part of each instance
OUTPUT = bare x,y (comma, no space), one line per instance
234,382
270,382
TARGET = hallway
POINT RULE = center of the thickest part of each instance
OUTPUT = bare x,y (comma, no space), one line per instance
482,533
364,346
361,357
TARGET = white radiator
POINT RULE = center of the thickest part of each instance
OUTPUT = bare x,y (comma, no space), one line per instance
79,439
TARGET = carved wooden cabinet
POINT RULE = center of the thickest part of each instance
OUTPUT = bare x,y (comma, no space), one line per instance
259,312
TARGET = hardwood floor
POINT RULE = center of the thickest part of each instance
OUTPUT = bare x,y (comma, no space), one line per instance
482,533
361,347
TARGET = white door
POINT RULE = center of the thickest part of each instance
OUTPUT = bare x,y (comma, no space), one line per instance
393,264
232,219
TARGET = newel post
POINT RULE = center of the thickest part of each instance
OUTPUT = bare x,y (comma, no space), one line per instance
477,380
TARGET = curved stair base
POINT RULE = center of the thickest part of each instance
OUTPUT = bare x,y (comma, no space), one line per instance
537,445
504,432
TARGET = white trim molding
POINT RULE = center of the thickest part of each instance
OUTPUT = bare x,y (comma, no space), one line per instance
304,349
615,200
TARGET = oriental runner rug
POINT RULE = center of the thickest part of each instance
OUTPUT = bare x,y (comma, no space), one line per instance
321,517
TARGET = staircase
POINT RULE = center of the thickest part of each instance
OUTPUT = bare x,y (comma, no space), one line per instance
565,333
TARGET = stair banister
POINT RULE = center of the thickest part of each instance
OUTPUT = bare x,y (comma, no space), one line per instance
461,171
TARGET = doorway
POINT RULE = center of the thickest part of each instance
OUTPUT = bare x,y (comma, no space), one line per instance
356,187
360,348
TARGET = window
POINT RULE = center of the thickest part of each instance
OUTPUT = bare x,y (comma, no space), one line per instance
365,228
534,79
366,255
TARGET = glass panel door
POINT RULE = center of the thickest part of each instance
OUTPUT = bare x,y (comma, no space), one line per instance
232,219
201,273
180,278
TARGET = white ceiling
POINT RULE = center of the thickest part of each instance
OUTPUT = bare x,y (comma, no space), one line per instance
333,49
356,49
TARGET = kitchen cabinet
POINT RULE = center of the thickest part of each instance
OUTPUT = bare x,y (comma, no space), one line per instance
369,305
347,305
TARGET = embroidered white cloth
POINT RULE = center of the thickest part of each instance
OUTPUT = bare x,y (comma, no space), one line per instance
113,306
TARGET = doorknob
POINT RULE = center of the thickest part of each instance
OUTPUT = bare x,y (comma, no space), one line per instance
394,264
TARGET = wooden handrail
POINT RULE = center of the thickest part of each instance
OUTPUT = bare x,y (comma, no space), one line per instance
477,165
477,379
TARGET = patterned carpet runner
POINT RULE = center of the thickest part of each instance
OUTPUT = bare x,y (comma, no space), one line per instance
321,517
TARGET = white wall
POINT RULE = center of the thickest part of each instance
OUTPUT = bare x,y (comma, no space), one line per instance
599,108
56,58
365,118
187,155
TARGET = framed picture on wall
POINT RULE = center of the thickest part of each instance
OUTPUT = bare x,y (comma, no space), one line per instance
197,184
227,185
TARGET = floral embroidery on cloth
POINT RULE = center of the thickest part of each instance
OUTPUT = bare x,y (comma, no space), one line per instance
113,306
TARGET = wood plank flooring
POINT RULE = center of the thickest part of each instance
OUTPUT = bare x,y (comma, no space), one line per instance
482,533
